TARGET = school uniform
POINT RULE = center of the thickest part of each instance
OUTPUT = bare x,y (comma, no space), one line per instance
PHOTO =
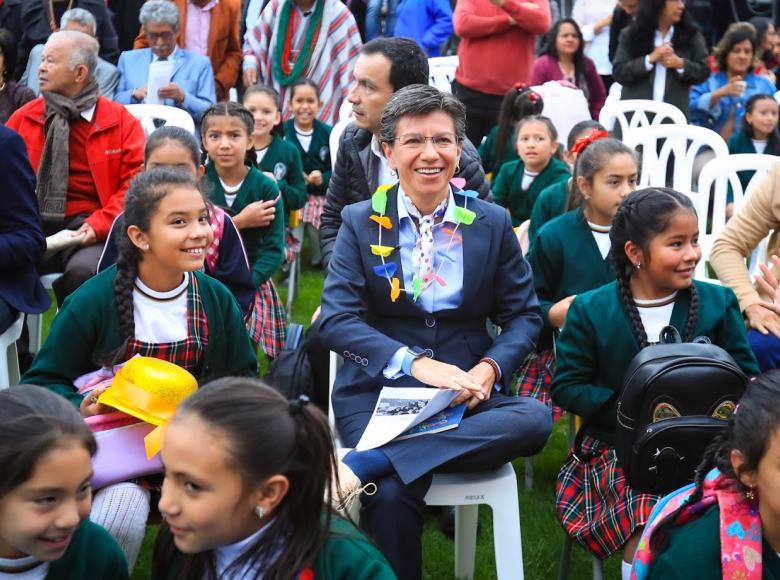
740,142
508,187
86,329
487,151
594,349
281,158
566,259
92,553
265,250
315,157
550,204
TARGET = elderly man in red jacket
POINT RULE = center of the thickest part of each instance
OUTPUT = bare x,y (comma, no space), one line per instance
496,51
85,150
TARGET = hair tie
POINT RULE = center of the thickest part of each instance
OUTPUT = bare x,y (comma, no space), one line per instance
533,96
583,143
297,405
520,87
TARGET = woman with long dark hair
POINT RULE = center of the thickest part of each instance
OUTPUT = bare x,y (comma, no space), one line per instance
563,59
661,54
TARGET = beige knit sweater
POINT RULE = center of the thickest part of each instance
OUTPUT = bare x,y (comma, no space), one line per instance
758,217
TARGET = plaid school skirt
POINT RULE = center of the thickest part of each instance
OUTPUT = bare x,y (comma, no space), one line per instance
267,324
594,503
535,377
312,211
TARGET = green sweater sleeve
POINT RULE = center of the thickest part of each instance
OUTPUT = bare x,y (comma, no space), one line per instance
487,151
349,555
293,186
546,275
270,248
502,185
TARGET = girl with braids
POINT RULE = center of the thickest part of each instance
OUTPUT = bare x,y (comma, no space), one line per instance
499,145
571,253
238,187
243,497
654,240
726,524
154,302
45,496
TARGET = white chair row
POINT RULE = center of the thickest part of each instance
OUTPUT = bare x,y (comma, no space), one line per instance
442,72
148,115
9,362
466,491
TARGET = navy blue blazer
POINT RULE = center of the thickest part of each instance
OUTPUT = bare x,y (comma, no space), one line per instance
22,241
361,323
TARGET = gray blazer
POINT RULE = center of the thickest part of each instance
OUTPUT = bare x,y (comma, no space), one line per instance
107,74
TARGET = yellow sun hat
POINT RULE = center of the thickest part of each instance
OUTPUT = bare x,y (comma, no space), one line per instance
149,389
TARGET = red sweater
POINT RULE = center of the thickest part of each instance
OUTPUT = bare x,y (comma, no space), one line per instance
494,54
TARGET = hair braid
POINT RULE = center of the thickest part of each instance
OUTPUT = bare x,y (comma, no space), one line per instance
633,312
693,314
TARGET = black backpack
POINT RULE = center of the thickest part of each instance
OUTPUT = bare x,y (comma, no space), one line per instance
676,398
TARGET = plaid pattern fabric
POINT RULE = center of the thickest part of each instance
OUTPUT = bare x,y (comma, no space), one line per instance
293,246
187,353
593,502
312,211
267,324
217,221
534,379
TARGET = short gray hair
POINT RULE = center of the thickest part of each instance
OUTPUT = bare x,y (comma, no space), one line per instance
417,100
79,16
85,49
159,12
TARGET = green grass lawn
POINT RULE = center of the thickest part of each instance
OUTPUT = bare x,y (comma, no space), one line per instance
542,536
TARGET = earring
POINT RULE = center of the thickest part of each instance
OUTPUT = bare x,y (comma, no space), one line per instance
750,495
638,265
260,512
457,169
146,247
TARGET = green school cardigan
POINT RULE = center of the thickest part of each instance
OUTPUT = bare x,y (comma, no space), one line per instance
487,151
283,161
92,554
566,260
86,329
693,551
598,342
264,246
318,157
550,204
508,192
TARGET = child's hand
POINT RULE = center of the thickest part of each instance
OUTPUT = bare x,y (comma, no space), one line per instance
258,214
89,404
557,314
763,316
660,52
315,177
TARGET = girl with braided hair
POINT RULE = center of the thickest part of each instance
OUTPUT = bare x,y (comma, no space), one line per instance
654,239
732,507
153,302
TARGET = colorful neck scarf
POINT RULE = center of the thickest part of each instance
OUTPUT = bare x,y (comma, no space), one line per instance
740,527
283,73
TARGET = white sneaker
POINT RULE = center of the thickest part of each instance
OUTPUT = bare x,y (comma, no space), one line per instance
346,489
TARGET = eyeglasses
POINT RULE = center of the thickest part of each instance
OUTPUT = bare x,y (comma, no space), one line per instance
442,142
164,36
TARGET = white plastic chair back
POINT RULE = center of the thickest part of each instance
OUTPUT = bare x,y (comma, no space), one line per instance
642,112
714,181
147,114
335,137
675,144
442,72
345,111
564,106
9,363
522,236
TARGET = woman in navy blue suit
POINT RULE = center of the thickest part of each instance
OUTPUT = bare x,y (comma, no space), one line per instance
21,235
416,274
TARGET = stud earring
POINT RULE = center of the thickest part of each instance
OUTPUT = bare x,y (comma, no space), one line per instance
750,495
638,265
260,512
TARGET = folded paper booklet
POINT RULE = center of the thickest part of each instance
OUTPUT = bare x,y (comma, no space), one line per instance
61,240
399,410
444,420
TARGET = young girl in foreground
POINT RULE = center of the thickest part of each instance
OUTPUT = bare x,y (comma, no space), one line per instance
571,253
46,454
759,131
729,523
243,496
154,302
234,185
519,183
654,238
312,139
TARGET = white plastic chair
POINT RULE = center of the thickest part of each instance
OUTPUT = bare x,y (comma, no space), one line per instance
345,111
335,137
465,491
521,232
682,143
147,114
442,72
35,321
618,111
9,362
714,181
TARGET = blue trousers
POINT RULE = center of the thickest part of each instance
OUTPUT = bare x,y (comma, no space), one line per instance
496,431
766,348
7,315
374,18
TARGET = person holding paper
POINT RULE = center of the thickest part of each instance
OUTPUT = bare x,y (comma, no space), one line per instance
165,73
417,272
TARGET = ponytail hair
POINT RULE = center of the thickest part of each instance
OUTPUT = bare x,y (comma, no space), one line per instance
266,435
229,109
643,215
519,102
146,191
590,161
750,430
273,94
33,421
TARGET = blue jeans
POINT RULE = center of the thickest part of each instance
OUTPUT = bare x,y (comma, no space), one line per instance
374,18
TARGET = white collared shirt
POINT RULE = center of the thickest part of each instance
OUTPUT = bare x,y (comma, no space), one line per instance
88,114
386,175
170,57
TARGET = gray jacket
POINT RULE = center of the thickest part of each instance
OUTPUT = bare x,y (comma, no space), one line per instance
107,74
